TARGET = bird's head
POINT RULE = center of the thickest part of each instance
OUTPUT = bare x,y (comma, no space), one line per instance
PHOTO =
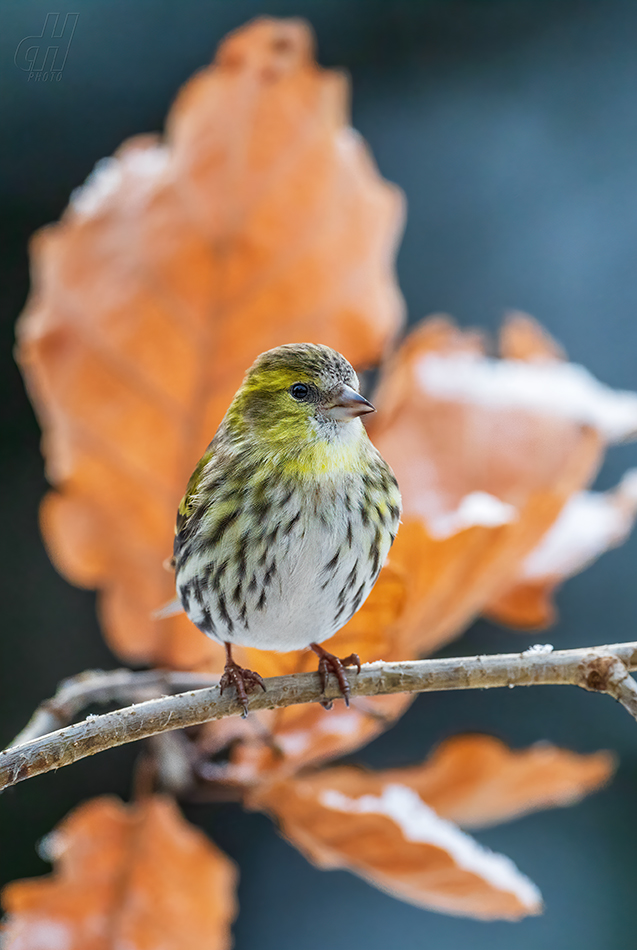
298,394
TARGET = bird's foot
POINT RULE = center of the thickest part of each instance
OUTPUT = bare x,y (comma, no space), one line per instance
328,663
244,681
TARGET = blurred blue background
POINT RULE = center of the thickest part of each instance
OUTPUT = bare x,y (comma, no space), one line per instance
512,128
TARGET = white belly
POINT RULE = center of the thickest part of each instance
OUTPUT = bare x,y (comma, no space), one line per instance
286,592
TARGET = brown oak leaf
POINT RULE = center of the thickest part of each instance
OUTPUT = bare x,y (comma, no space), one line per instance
487,453
135,876
393,828
589,524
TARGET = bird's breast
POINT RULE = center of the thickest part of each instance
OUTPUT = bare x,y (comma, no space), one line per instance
290,563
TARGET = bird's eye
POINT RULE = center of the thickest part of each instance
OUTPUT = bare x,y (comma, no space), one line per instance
299,391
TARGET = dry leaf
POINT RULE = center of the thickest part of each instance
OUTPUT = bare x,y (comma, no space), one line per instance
260,220
393,827
390,837
589,524
486,452
523,338
138,877
477,780
309,737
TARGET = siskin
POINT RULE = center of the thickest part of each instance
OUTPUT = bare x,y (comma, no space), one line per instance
289,515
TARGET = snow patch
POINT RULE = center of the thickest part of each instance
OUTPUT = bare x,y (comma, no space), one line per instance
476,508
47,935
419,823
294,743
106,178
339,724
565,390
336,724
103,182
627,488
539,649
589,524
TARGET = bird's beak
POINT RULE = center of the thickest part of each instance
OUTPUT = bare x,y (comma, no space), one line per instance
348,404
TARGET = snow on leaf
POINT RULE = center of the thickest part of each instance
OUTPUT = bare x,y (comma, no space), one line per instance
482,479
589,524
476,508
390,837
398,828
562,390
418,823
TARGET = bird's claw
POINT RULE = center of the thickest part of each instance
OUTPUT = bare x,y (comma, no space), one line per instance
328,663
244,681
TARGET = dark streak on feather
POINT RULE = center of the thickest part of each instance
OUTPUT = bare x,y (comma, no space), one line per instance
223,610
270,538
331,564
374,551
216,579
394,511
206,625
288,497
269,574
241,564
292,522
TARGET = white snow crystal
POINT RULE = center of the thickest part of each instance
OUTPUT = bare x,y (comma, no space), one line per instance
476,508
108,174
419,823
558,389
589,524
539,649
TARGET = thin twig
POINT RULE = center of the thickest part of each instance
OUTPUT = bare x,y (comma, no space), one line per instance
103,687
600,669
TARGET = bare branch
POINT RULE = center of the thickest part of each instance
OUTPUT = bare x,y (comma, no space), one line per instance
101,688
600,669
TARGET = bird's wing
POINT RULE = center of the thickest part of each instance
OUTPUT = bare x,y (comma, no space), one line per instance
192,505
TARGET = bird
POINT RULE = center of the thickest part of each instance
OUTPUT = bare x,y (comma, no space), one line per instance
288,516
